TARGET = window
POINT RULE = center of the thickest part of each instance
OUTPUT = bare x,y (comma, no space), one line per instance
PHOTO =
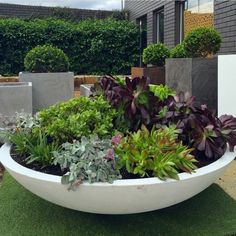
198,13
191,14
159,26
142,22
179,8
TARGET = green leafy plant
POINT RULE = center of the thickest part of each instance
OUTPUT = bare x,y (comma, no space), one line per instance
35,147
156,153
40,150
156,54
20,140
91,159
46,58
162,91
179,51
78,117
202,42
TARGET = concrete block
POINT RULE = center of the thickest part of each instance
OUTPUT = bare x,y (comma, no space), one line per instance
15,97
195,75
85,90
49,88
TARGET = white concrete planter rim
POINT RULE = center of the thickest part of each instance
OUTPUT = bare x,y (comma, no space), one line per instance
9,163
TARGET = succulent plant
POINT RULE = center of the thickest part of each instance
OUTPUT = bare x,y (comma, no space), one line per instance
228,129
91,159
156,153
200,128
135,98
161,91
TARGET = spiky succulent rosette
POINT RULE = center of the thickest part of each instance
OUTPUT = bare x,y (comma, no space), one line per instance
134,97
201,129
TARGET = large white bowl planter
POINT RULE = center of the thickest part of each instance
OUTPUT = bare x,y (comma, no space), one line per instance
121,197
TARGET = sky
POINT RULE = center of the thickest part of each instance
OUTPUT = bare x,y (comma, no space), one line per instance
83,4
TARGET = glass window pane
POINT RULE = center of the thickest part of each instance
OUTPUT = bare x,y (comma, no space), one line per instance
159,24
198,13
161,27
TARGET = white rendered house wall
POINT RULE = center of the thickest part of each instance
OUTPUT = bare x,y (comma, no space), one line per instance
227,85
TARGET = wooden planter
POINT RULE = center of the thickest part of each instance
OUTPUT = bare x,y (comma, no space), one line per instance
156,74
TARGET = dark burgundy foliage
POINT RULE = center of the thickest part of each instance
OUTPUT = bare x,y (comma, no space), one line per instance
134,97
199,127
228,128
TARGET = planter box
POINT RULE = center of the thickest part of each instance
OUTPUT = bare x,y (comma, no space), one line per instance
49,88
156,74
121,197
195,75
15,97
226,84
85,90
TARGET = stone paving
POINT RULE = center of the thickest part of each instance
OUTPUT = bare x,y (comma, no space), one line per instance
228,180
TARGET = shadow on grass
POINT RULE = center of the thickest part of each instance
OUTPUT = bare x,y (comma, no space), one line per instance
212,212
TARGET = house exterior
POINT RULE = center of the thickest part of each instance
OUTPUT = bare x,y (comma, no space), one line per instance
168,21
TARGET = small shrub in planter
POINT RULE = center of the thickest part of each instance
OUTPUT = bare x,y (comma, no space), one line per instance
202,42
46,58
179,51
156,54
192,66
52,83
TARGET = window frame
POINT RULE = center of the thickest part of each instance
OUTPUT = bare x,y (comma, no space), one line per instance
156,25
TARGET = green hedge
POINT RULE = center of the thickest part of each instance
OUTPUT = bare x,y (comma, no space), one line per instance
93,46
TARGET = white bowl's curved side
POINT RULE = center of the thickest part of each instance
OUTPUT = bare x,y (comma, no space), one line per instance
121,197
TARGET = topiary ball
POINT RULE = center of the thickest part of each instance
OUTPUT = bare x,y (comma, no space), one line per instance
46,58
202,42
156,54
179,51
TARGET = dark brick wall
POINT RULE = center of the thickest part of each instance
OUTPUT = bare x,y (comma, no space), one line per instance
138,8
225,23
25,11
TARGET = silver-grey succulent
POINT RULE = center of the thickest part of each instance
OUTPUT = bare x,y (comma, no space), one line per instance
90,159
9,125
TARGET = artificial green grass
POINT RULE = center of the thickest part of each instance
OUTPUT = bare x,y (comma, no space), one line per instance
211,213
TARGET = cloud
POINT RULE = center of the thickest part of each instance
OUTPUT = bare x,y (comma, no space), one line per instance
83,4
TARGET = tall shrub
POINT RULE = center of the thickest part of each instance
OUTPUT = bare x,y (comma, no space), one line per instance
93,46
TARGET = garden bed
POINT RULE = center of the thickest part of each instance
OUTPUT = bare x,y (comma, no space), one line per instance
129,138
